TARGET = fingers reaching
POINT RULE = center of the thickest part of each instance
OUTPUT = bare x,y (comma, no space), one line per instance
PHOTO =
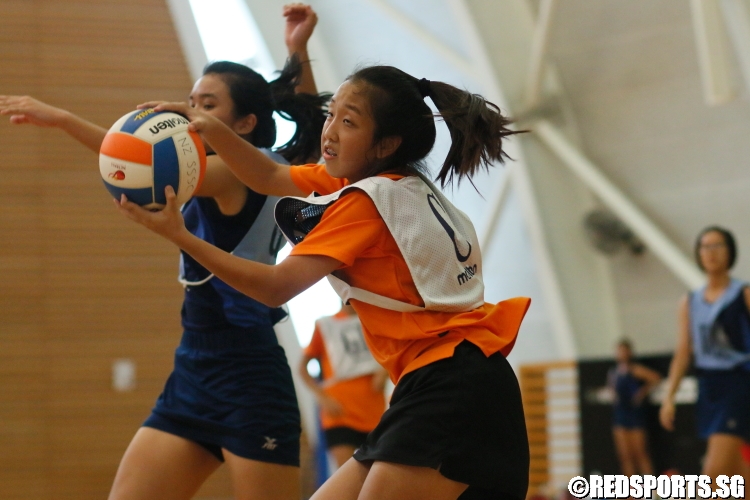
167,222
177,107
196,117
26,109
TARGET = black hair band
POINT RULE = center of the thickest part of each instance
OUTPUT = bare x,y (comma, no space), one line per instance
424,87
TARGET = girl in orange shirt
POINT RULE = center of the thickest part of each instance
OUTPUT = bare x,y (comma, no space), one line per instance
350,392
409,263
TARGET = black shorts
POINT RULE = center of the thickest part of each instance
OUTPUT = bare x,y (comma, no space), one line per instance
337,436
462,416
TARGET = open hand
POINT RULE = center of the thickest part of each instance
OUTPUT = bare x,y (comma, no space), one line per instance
167,222
27,110
199,120
300,23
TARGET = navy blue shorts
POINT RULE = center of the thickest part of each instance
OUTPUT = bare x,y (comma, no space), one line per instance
723,403
462,416
230,391
629,417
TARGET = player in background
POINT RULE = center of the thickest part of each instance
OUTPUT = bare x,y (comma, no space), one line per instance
714,331
631,383
349,393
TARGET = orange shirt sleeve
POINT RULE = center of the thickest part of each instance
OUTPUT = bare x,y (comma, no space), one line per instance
315,178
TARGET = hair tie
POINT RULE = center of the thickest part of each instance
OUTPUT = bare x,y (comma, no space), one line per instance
423,86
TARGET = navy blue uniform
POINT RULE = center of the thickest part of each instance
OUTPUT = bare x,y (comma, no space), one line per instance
721,344
626,413
231,386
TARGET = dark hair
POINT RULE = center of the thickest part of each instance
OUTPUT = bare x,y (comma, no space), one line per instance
252,94
624,342
728,241
476,126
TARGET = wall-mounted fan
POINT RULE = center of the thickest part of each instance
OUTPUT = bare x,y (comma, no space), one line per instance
609,235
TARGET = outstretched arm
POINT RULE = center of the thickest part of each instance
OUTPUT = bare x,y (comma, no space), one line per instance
27,110
248,163
272,285
678,367
300,24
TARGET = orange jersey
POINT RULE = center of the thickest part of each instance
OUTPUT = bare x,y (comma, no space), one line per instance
353,232
363,405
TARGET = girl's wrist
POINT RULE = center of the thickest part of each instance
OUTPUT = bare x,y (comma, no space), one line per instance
63,119
301,52
182,238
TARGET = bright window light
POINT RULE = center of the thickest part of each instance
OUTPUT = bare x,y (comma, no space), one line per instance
227,30
229,33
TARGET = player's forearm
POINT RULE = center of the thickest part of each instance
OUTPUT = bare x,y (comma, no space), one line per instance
248,163
677,369
87,133
253,279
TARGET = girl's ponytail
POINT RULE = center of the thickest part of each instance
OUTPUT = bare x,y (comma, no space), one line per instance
396,98
477,129
307,111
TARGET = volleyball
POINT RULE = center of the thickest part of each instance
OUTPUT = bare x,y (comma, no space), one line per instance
145,151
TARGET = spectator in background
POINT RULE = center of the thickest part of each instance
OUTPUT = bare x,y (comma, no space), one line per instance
631,383
350,394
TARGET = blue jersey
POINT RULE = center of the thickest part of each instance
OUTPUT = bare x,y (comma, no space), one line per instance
626,412
210,304
721,330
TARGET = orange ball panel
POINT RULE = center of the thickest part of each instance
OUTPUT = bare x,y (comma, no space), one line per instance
127,147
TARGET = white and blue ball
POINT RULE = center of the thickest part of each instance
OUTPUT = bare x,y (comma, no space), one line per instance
145,151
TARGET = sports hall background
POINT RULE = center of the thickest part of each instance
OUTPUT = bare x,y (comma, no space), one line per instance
636,106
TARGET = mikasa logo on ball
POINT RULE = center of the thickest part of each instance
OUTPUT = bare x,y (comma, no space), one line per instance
168,123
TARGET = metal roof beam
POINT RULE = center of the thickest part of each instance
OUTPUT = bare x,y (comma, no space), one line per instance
737,20
654,238
539,45
448,53
713,53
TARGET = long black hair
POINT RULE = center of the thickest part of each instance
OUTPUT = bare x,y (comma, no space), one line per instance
252,94
477,127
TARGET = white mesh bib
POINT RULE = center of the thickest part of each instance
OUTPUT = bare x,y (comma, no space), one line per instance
437,241
346,348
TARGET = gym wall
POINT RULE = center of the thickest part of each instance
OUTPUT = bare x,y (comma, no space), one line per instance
81,286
